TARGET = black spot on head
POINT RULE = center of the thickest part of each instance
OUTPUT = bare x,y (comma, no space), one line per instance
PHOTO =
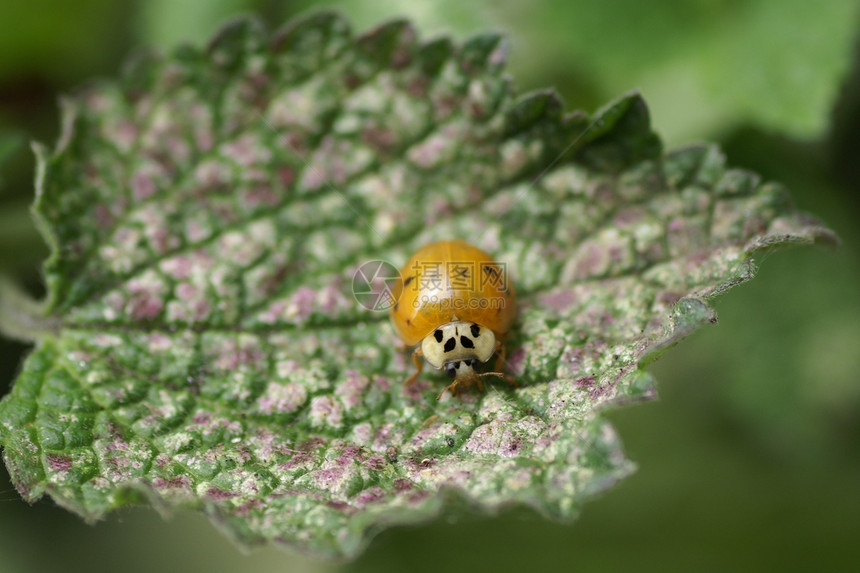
450,371
450,344
467,342
437,334
476,330
457,365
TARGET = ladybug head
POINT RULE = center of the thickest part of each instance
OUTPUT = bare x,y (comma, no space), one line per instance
458,347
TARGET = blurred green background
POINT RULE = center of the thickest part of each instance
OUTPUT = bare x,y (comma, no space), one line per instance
751,458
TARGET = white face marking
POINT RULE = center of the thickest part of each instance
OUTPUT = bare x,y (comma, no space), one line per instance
458,347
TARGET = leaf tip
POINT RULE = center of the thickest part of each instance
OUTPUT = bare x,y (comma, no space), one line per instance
316,23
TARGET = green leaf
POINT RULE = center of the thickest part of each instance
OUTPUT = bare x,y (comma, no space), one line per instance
207,213
704,66
10,143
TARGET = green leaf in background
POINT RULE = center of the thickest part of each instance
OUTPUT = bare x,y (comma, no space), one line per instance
15,225
207,213
33,34
705,66
10,143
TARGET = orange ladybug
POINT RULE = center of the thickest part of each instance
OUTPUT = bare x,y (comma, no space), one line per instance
459,304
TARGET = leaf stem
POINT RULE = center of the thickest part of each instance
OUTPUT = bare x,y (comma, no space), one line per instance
21,317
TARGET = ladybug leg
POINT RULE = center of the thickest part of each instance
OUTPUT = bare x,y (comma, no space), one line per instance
452,387
419,364
506,377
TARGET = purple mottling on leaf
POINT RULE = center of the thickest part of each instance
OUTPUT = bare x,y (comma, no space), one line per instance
370,495
592,259
341,506
260,196
558,300
275,313
332,299
198,262
196,232
246,151
142,185
699,257
282,398
385,435
417,87
104,218
440,209
627,217
124,134
313,177
302,302
286,176
242,453
220,494
117,446
382,383
351,391
754,225
59,462
516,361
211,174
676,225
571,361
306,455
326,411
232,353
375,462
295,142
669,297
352,452
401,485
430,152
415,391
146,300
267,446
175,482
333,476
186,291
416,497
300,460
159,342
444,105
379,138
249,506
362,433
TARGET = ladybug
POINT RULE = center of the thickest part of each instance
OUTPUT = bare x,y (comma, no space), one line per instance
459,304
